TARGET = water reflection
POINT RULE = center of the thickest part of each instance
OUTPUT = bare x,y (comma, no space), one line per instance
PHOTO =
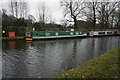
47,58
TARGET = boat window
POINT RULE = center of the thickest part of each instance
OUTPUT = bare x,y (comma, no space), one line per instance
101,32
37,34
109,32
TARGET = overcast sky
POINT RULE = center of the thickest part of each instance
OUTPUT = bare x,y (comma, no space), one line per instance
53,5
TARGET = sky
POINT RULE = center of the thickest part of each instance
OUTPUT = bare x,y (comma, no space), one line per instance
55,10
53,5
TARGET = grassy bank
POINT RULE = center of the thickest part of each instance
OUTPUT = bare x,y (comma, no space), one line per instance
7,38
105,66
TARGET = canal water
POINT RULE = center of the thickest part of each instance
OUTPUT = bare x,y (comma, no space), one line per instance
45,58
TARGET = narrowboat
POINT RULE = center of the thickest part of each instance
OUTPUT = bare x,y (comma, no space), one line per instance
53,35
101,33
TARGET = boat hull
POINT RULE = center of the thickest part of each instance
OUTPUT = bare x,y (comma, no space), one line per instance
28,38
58,37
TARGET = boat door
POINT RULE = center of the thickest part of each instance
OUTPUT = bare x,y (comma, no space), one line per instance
28,34
91,33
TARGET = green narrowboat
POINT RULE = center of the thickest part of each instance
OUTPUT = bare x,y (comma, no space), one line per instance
52,34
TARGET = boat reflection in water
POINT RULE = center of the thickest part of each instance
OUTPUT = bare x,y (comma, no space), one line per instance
12,44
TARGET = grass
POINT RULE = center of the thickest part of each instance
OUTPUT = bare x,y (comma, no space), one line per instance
104,66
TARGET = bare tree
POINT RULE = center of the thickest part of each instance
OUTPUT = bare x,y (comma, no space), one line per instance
51,19
23,9
0,18
64,23
105,13
18,8
115,18
73,9
43,15
91,12
14,6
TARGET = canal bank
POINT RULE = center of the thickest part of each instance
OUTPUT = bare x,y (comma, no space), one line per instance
15,38
105,66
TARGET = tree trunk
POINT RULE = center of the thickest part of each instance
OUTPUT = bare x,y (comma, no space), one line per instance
118,25
16,9
75,23
94,16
